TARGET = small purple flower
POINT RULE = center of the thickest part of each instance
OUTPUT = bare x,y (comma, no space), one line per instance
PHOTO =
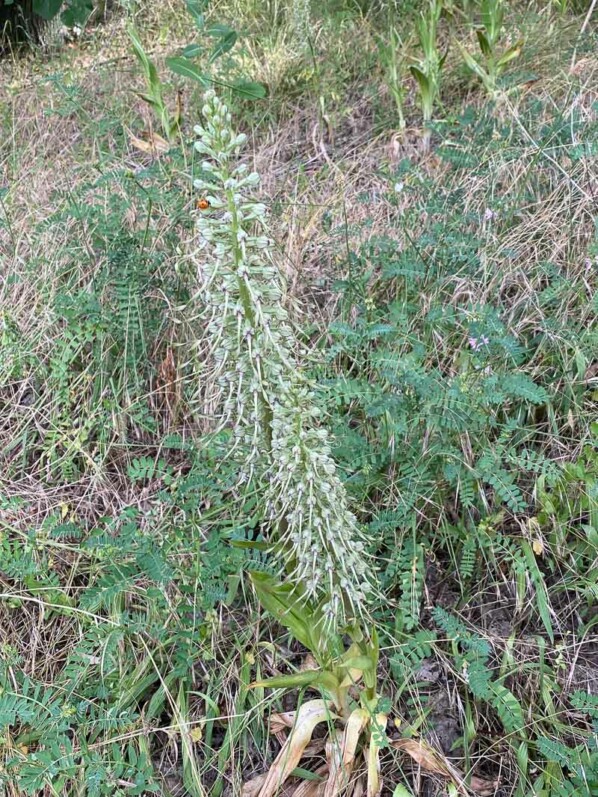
489,214
477,343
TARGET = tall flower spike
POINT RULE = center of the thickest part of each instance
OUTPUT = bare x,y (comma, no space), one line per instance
265,397
301,18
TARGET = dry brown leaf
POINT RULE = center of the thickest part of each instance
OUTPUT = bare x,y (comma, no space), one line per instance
309,788
278,724
281,720
583,65
433,761
309,663
358,788
343,757
309,715
352,677
591,372
312,788
425,755
167,382
483,787
374,781
314,748
154,145
334,761
252,787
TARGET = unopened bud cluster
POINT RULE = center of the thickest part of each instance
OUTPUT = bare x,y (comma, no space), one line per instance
265,398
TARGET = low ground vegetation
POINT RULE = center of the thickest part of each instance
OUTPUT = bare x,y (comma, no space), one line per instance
430,208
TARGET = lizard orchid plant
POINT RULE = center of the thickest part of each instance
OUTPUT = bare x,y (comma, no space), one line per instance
325,576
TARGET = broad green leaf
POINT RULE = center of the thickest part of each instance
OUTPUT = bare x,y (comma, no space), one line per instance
492,17
77,14
287,603
484,43
184,67
225,44
510,54
540,587
233,587
158,700
401,791
523,758
68,18
422,79
257,545
196,9
156,104
47,9
218,29
362,663
192,51
306,678
374,646
370,676
305,774
471,63
149,68
250,90
276,599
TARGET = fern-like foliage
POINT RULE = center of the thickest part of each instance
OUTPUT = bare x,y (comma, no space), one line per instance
473,660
